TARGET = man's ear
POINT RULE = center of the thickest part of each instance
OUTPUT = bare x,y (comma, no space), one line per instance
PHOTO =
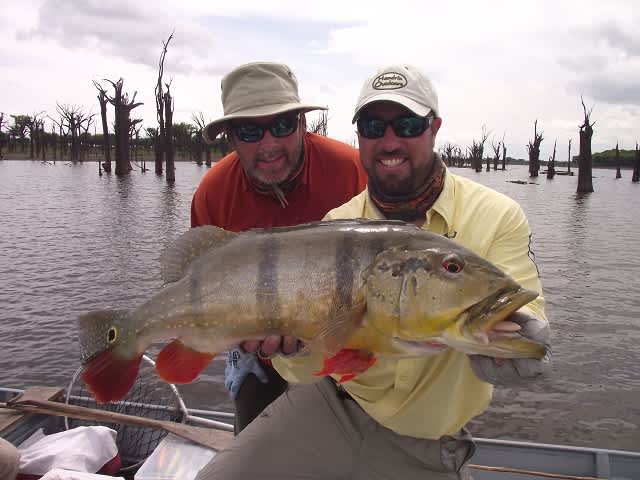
303,122
435,125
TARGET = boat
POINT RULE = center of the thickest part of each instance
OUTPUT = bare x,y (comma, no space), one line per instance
494,459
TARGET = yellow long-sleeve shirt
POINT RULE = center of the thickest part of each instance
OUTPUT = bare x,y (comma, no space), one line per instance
433,396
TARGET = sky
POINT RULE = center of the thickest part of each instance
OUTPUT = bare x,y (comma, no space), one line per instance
498,64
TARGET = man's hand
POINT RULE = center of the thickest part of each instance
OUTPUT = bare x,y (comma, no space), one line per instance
517,371
239,365
272,345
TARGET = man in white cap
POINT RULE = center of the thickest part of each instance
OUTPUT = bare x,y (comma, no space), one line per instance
278,175
401,418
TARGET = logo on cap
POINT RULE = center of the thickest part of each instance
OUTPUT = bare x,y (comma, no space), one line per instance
389,81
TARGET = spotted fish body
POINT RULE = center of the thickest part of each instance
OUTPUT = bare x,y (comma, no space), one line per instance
378,287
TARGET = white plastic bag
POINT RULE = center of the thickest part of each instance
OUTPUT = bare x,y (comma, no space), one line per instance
60,474
81,449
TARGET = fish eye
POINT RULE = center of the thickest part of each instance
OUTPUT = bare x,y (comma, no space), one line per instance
453,264
112,334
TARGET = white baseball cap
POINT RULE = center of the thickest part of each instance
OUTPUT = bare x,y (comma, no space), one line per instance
402,84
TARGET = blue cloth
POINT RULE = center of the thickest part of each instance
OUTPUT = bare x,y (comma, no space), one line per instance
239,365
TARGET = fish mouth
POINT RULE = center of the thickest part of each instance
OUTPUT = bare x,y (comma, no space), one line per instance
495,308
474,321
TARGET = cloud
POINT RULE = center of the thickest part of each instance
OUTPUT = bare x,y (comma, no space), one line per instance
132,32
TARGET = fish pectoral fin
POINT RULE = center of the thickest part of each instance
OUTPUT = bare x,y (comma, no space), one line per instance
177,363
109,376
348,362
340,329
178,257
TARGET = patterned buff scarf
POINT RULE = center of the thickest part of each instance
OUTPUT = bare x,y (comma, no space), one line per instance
415,205
281,189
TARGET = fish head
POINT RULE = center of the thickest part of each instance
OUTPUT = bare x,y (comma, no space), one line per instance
100,331
443,294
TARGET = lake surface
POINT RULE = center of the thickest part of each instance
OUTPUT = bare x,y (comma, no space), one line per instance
72,241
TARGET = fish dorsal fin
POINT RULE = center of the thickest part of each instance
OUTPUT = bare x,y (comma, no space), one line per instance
178,257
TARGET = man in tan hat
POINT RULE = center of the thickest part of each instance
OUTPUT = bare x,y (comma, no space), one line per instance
278,175
402,418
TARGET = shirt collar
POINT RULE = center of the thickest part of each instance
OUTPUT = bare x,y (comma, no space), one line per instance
443,206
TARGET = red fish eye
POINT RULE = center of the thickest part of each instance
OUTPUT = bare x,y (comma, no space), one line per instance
452,266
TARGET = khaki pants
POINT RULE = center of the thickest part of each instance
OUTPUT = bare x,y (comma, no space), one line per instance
312,432
9,459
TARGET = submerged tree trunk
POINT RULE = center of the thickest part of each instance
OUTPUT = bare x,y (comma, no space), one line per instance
106,144
164,138
169,151
585,159
618,174
123,123
534,151
635,178
551,166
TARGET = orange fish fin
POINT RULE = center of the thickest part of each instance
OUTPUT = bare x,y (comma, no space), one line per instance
346,378
109,377
177,363
349,362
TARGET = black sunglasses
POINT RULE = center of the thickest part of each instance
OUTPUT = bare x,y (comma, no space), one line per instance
281,126
408,126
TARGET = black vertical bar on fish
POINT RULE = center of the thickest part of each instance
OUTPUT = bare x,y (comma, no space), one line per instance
344,257
267,295
254,395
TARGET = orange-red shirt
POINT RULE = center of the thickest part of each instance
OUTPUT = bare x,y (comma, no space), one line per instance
332,175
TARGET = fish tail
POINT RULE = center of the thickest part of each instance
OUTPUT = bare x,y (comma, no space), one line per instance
112,359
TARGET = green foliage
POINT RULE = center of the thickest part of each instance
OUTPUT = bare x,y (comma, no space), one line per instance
608,158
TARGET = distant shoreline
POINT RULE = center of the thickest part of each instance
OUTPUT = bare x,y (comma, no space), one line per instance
148,158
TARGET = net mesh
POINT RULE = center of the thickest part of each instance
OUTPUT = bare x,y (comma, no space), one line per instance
150,397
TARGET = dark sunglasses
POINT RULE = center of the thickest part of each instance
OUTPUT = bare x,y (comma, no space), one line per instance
281,126
404,127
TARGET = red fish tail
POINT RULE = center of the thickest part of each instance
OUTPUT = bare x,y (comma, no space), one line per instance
109,377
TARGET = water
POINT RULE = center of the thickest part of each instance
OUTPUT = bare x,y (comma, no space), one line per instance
71,241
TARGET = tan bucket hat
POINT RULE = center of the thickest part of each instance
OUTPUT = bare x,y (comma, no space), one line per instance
257,89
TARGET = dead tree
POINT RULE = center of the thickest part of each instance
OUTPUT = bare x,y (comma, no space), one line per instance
73,118
3,124
321,124
585,159
618,174
569,159
164,112
496,153
134,141
201,148
169,150
504,155
448,150
122,106
477,150
534,151
551,165
635,178
106,143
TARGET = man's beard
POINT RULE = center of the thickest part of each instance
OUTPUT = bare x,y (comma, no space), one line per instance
398,188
